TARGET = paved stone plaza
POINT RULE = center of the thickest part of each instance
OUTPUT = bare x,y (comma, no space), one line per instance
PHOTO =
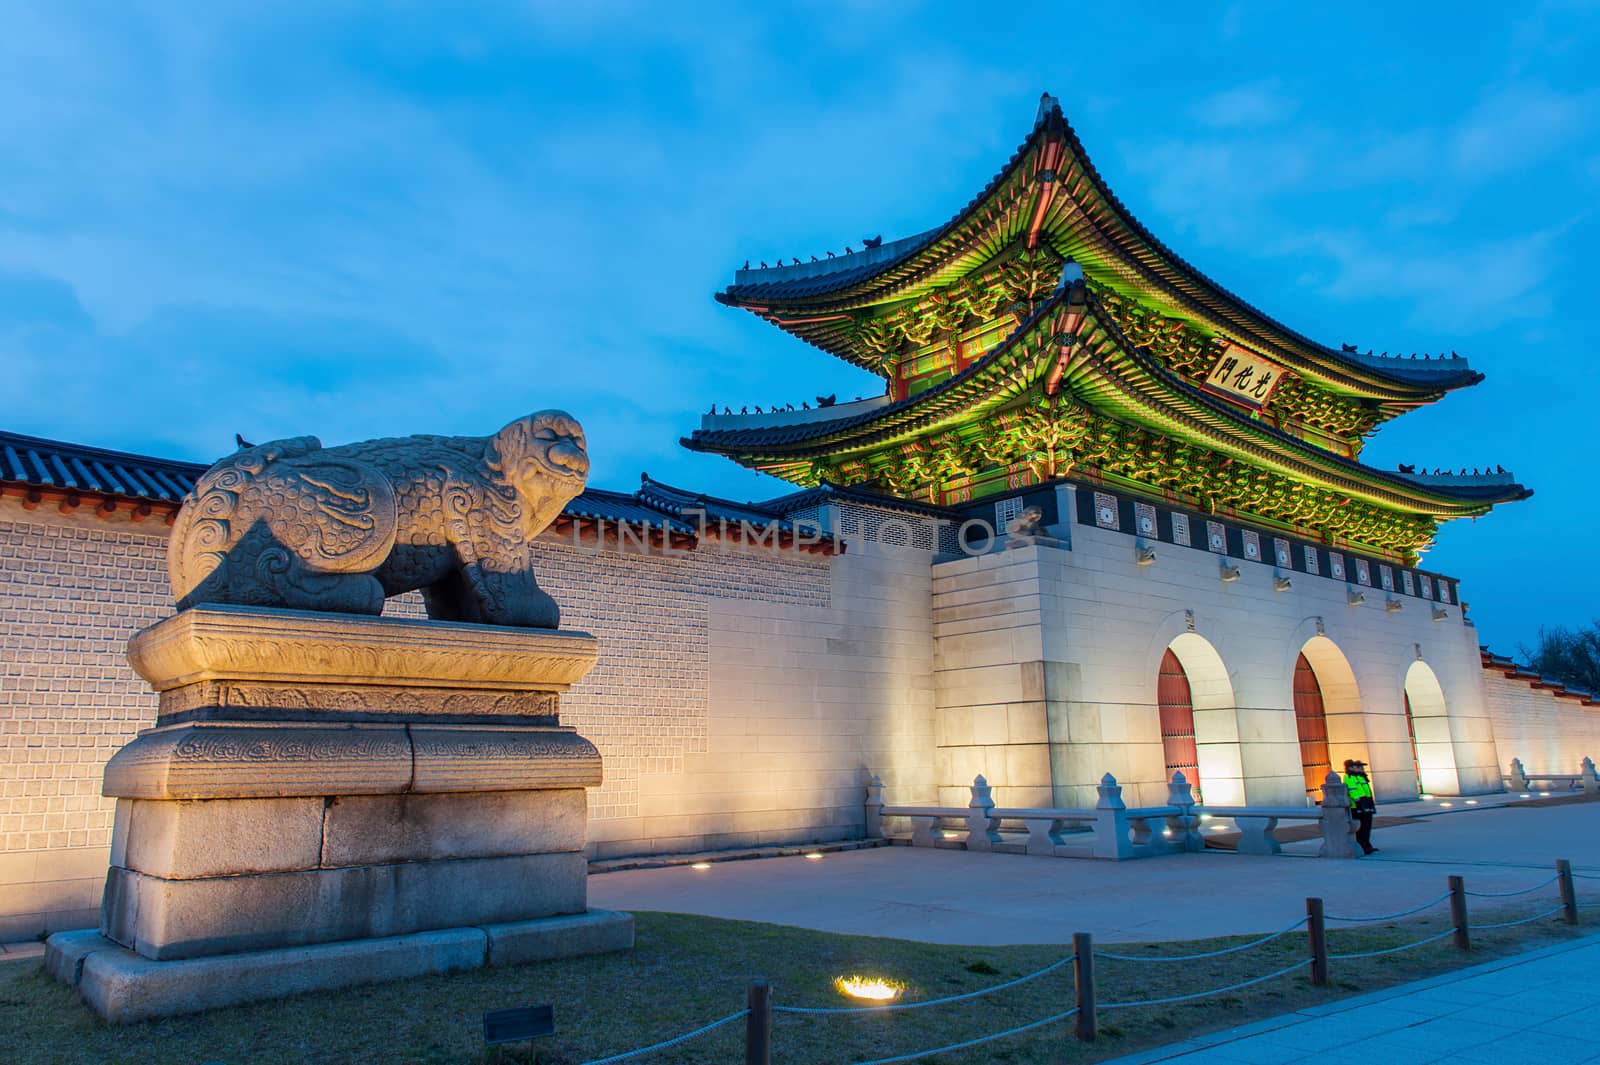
1541,1006
950,896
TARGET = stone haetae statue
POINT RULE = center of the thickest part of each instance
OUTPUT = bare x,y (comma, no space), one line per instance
1029,523
293,524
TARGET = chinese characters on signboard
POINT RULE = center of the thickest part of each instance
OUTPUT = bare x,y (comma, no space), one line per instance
1244,376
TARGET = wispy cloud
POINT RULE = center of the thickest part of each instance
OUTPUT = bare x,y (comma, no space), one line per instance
1454,291
1252,106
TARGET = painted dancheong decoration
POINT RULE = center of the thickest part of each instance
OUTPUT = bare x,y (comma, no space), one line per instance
294,524
1044,333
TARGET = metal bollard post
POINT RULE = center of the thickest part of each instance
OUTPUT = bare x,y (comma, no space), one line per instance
1083,975
758,1025
1317,940
1458,913
1569,897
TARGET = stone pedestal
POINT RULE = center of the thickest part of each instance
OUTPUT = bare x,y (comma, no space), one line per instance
320,778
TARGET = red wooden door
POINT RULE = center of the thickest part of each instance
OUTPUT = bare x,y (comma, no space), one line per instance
1411,731
1177,721
1311,722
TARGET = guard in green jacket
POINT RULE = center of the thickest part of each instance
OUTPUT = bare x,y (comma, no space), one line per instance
1361,803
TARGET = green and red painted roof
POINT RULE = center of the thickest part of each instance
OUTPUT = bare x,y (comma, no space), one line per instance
1098,376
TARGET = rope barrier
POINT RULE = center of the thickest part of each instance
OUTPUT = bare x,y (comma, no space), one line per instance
1519,891
1389,916
1203,994
1209,953
1511,924
835,1010
1170,1000
972,1042
1393,950
684,1038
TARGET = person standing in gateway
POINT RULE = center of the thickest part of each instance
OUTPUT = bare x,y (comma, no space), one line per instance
1361,802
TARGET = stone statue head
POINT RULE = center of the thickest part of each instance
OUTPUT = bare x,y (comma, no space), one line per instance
544,458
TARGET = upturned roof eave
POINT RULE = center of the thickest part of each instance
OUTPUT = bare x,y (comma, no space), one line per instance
1380,486
823,295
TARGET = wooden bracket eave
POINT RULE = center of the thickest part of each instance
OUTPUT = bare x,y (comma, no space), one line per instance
102,504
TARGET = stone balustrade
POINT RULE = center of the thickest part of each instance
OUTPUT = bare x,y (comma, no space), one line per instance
1585,779
1110,830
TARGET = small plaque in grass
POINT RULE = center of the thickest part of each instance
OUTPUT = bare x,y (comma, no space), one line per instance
518,1025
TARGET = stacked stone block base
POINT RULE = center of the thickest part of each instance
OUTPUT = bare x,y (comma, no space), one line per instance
321,789
123,986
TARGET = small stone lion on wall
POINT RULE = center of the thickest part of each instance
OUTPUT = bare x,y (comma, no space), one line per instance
295,524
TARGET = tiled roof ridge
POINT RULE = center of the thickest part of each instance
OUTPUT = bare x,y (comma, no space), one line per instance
1514,670
827,491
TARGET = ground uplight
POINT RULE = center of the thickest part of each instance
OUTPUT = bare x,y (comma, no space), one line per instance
1472,802
813,856
1447,804
701,865
869,988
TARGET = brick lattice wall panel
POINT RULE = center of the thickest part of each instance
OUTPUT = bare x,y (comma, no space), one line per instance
69,599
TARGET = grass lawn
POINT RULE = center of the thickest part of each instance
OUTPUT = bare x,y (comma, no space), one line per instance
687,971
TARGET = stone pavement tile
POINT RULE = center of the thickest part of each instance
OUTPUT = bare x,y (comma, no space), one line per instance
1543,1002
1441,1036
1224,1055
1250,1051
1589,1015
1527,1047
1379,1052
1328,1031
1463,993
1513,1020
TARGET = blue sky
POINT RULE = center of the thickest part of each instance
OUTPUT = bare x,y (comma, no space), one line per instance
350,221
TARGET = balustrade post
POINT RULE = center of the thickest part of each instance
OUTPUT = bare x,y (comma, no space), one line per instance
1338,827
1111,822
1458,913
1519,776
758,1024
1587,777
1184,824
874,823
1083,978
1569,896
1317,941
981,823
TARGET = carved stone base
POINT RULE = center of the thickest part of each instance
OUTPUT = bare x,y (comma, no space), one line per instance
123,986
315,778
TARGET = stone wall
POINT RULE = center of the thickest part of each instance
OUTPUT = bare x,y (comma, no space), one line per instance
1053,652
1550,735
740,697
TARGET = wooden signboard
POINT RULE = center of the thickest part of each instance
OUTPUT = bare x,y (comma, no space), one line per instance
1244,377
